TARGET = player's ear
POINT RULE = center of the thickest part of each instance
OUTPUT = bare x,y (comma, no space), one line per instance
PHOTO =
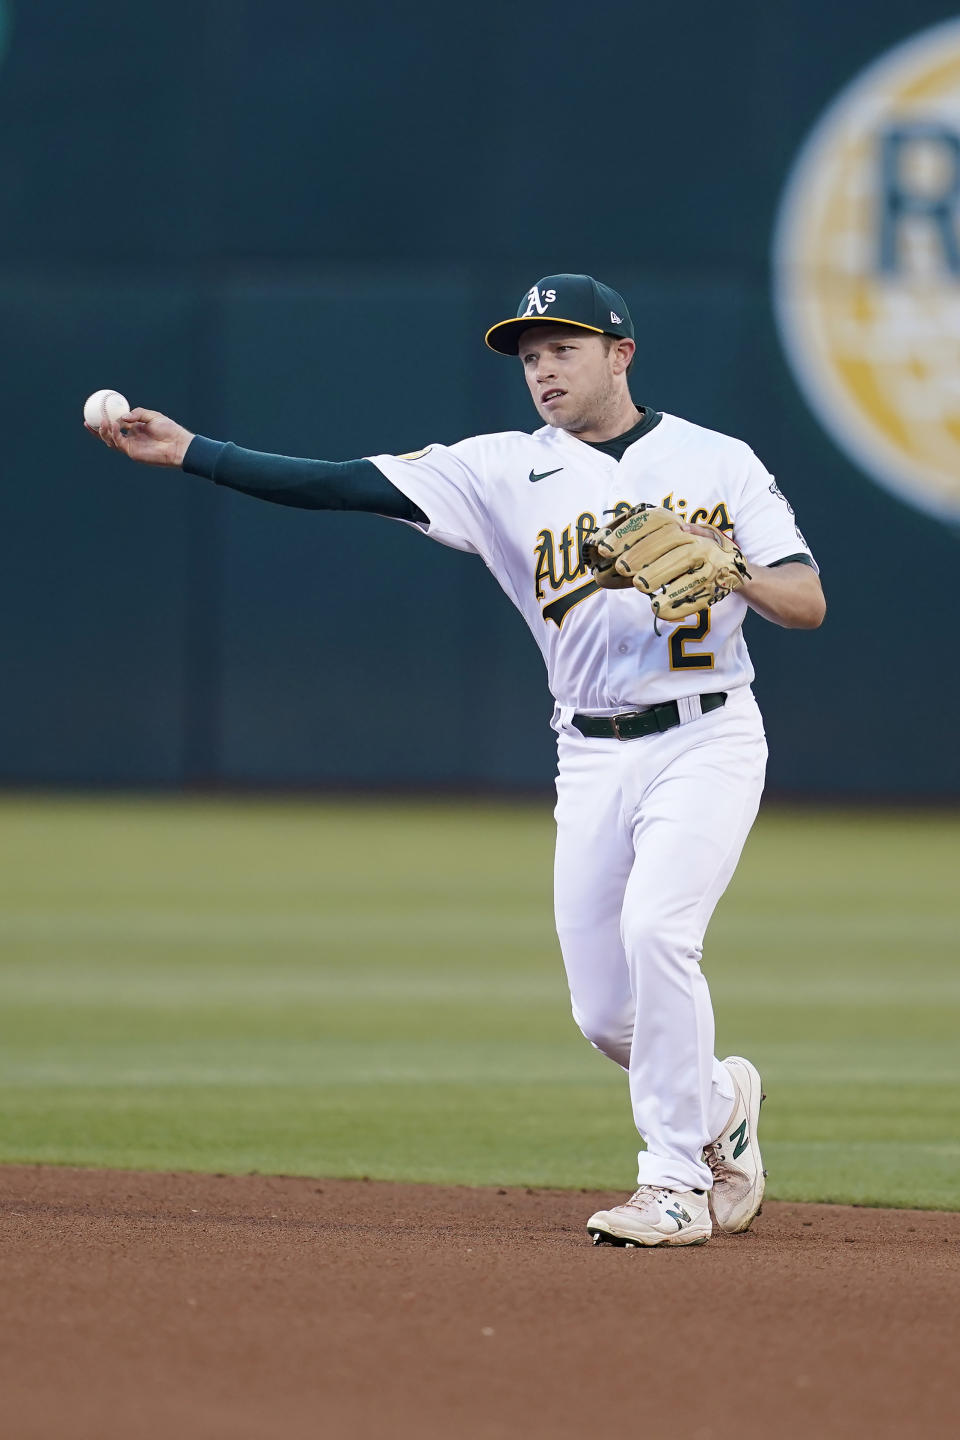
623,353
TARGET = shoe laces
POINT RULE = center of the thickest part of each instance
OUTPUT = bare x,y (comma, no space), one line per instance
642,1192
716,1161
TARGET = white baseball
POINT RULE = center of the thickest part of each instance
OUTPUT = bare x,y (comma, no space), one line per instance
104,403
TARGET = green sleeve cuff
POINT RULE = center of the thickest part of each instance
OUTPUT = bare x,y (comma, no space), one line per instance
802,559
202,456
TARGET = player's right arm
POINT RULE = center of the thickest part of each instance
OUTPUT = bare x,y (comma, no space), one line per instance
154,439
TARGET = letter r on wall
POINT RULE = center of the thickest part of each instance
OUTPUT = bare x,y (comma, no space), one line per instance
903,198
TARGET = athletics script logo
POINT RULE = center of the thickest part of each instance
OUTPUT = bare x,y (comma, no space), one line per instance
866,267
537,305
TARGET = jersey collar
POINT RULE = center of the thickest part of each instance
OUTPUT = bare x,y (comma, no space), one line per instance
616,448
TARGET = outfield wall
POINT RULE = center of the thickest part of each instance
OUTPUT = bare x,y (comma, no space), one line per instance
289,226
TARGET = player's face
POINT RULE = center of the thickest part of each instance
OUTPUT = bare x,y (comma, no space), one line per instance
574,377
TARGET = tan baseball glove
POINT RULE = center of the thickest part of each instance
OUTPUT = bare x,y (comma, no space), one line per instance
680,572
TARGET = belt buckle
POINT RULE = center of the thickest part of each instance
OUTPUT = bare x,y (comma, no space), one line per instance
615,722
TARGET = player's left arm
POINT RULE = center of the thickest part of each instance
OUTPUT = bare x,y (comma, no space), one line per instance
788,593
786,588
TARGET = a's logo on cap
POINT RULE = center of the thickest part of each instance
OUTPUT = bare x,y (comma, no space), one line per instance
867,270
536,305
615,318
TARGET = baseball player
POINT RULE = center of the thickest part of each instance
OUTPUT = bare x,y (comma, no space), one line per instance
633,543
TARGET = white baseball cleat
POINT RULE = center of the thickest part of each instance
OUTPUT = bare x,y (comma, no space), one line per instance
734,1157
654,1216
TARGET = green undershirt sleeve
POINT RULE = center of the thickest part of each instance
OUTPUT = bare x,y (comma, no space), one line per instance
305,484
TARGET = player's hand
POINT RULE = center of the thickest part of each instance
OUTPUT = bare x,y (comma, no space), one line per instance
145,435
709,531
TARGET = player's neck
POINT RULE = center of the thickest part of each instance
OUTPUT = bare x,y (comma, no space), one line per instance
611,424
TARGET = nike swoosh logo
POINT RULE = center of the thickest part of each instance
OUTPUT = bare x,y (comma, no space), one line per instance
534,477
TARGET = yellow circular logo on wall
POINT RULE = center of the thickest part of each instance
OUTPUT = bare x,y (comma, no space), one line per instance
867,270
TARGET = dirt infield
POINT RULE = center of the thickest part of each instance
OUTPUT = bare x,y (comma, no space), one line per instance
207,1307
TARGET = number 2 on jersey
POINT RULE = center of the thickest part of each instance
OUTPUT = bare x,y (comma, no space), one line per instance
686,635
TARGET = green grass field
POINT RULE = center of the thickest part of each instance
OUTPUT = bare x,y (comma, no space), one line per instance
375,989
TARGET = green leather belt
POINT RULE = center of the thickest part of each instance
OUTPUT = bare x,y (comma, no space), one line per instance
635,723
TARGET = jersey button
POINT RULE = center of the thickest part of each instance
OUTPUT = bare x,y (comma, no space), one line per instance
624,648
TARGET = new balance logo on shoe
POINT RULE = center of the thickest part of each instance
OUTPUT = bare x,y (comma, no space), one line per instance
740,1140
679,1217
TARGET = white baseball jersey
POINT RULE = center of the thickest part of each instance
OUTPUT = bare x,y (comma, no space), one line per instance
526,502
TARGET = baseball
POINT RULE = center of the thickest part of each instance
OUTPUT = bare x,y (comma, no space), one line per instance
109,403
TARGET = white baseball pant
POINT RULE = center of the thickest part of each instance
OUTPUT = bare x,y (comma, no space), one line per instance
649,832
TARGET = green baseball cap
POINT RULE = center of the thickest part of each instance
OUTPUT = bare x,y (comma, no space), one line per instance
576,300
